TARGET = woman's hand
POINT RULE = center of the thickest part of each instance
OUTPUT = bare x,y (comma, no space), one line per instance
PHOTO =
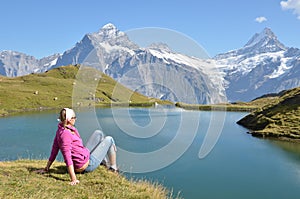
74,182
41,171
44,170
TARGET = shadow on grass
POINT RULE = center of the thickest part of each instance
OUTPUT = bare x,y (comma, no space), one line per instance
52,173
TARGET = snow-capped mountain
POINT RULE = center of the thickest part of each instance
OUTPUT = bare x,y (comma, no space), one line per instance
264,65
158,72
14,63
108,43
155,71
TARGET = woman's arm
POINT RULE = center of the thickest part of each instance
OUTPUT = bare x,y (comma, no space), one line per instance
71,171
66,150
49,163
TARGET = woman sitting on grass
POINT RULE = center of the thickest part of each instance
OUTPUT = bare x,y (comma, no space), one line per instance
77,157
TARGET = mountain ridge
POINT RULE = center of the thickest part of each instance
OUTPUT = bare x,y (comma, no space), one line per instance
263,65
255,70
263,42
110,51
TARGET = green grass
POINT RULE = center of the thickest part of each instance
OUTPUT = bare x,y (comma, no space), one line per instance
279,118
55,90
17,180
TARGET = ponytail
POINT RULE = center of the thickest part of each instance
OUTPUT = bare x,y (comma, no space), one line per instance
62,117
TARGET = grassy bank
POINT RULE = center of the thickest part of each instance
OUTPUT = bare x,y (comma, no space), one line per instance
56,88
277,119
17,180
239,106
218,107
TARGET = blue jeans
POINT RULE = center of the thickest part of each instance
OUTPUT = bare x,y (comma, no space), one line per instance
99,146
93,164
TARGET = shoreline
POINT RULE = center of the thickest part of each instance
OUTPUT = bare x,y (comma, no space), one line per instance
41,109
274,136
195,107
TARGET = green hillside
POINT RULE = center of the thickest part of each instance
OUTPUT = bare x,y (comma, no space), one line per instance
54,90
280,118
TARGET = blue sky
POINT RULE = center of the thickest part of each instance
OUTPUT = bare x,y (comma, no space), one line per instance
41,28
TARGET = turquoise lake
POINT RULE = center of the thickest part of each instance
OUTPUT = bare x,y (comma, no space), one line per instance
162,145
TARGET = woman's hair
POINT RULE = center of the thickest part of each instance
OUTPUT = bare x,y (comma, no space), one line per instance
62,117
65,115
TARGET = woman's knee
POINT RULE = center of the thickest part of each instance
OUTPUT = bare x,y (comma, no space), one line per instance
109,139
99,134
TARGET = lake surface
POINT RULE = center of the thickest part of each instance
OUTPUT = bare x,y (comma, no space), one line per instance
163,146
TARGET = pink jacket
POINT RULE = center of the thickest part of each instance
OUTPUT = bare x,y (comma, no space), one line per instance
68,141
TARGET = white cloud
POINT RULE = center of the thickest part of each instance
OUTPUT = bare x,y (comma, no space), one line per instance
260,19
291,5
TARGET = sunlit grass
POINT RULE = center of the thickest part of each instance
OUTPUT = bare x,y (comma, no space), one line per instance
18,180
279,118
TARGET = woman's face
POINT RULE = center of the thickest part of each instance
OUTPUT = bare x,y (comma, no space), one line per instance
72,120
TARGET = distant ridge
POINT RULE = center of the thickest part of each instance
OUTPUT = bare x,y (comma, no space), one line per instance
263,65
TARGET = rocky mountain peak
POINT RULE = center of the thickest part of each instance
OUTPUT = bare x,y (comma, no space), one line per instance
109,26
109,31
266,34
109,34
265,41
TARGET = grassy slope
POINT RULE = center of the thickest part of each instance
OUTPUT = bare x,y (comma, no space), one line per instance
17,180
55,90
279,118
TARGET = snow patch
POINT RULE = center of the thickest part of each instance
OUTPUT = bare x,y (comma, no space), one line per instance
283,68
52,63
108,48
243,65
